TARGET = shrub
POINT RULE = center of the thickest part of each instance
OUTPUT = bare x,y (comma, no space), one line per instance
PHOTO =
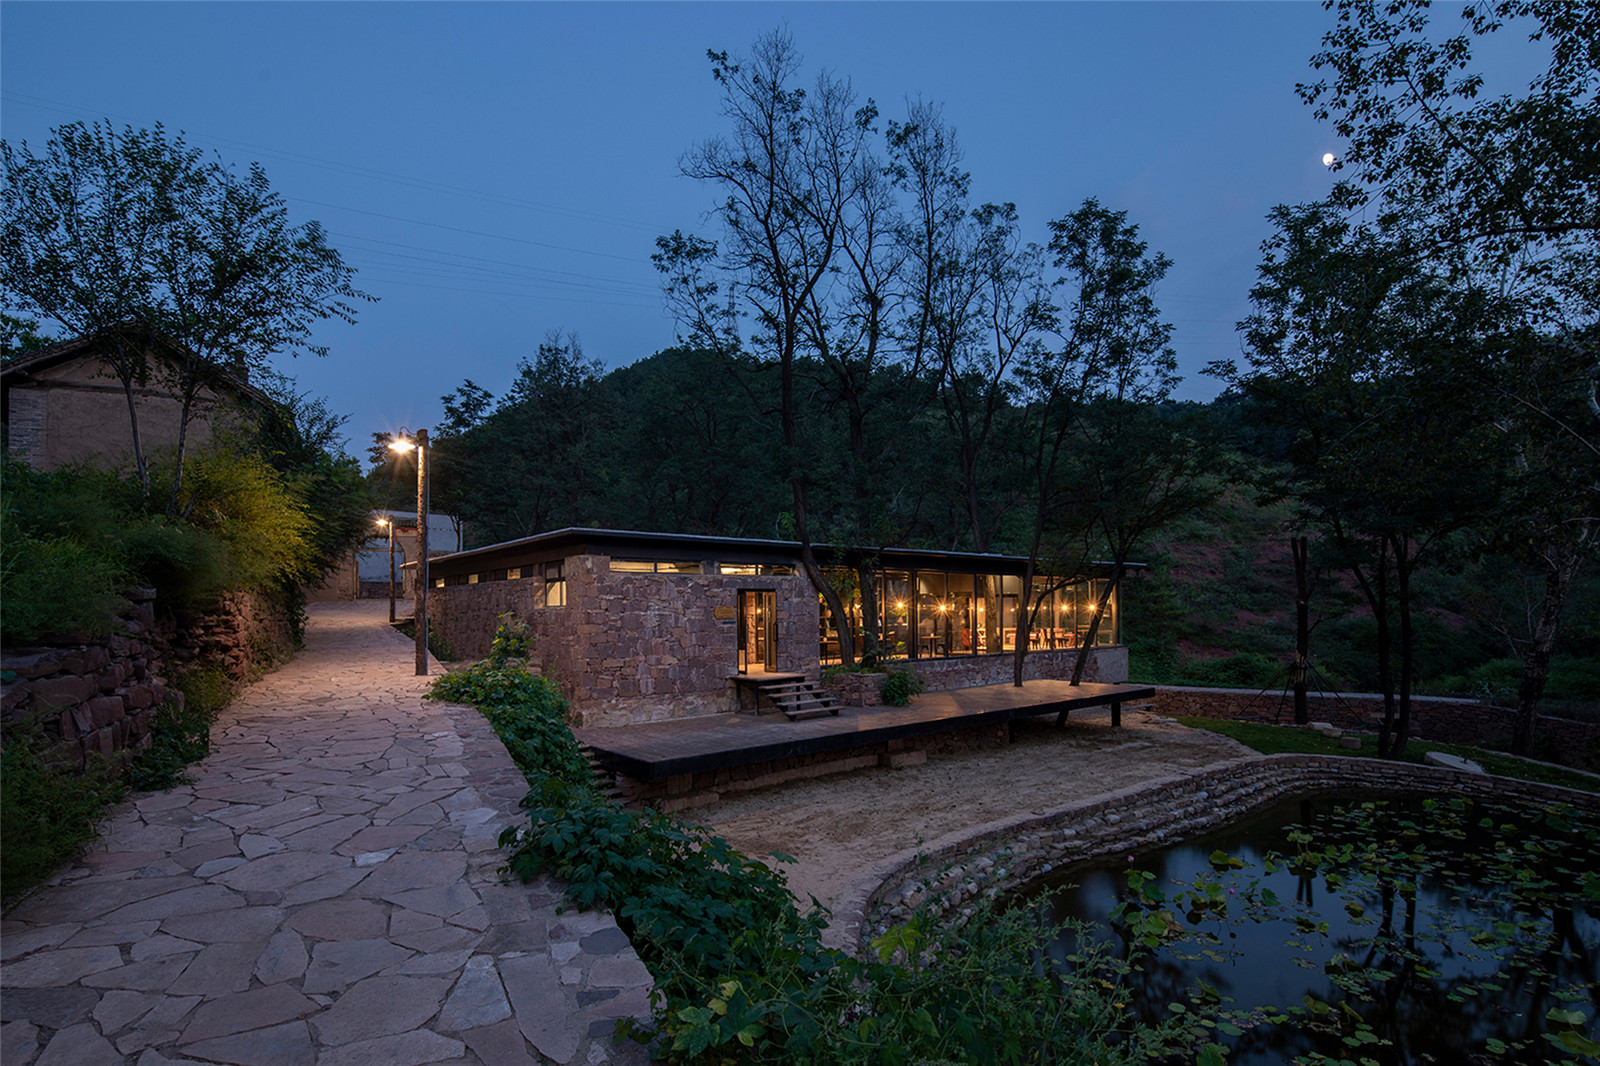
900,686
47,812
741,971
180,734
52,585
1247,670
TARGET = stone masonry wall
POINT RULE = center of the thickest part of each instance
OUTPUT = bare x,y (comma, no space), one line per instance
633,647
100,697
1433,717
244,633
951,873
90,698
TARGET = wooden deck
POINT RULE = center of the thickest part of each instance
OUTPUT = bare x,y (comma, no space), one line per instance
714,742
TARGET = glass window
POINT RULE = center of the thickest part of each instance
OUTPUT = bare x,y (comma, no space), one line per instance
514,573
896,604
986,596
962,626
654,566
1010,595
932,615
555,585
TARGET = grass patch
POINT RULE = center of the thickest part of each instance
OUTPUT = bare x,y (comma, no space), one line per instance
1288,740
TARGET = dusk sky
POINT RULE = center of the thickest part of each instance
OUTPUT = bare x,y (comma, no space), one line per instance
499,170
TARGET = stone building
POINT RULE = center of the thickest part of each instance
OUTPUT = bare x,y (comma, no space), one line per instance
64,404
639,627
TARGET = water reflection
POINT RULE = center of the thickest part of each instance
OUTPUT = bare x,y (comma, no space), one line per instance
1460,933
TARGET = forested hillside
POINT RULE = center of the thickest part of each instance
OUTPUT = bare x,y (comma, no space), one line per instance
1399,487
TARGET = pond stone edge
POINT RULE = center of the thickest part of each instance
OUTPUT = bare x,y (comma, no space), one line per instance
960,868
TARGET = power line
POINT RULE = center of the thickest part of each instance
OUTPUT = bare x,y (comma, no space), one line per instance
360,171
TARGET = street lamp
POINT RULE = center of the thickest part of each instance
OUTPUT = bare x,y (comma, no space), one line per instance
388,523
419,615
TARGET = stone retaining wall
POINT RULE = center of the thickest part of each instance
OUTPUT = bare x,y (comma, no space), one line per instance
1438,718
953,872
244,633
90,697
100,697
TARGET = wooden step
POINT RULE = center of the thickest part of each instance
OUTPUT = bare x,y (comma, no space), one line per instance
605,782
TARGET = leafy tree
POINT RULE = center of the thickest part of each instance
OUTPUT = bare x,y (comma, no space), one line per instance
1502,194
137,238
799,189
1360,351
1113,350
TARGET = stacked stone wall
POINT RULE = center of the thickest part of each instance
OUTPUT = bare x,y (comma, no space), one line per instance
1106,665
950,874
633,647
1436,718
101,696
245,634
90,698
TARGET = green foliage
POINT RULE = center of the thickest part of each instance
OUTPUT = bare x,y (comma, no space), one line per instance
513,639
54,585
740,972
241,500
47,812
901,686
1246,670
180,734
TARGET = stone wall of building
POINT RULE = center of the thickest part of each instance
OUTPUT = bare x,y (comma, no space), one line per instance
1107,665
949,874
90,698
1436,718
633,647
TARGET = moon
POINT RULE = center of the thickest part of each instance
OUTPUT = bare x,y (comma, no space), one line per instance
1327,159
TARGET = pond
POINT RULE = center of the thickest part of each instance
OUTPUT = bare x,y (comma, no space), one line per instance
1382,932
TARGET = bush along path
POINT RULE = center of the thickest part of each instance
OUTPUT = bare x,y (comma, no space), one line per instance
325,889
741,973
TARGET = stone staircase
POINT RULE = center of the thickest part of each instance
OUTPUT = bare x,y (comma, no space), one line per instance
799,700
606,782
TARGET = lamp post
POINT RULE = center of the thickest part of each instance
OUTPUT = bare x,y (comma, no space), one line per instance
419,614
388,523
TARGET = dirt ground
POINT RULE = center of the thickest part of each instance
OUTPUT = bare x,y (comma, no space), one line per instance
837,826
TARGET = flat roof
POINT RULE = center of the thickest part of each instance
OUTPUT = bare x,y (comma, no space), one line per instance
574,540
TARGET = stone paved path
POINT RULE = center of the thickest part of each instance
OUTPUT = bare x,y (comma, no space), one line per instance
325,892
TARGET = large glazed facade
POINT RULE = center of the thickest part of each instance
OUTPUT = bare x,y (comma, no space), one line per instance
639,627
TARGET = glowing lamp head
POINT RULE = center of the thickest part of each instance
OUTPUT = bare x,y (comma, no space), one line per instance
401,445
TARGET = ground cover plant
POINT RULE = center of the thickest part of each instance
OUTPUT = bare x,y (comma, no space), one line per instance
1275,740
741,974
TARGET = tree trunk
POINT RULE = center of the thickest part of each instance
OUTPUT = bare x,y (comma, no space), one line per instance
1302,628
1094,622
127,368
1562,563
1402,573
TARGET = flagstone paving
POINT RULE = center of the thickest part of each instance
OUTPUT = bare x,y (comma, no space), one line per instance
325,891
